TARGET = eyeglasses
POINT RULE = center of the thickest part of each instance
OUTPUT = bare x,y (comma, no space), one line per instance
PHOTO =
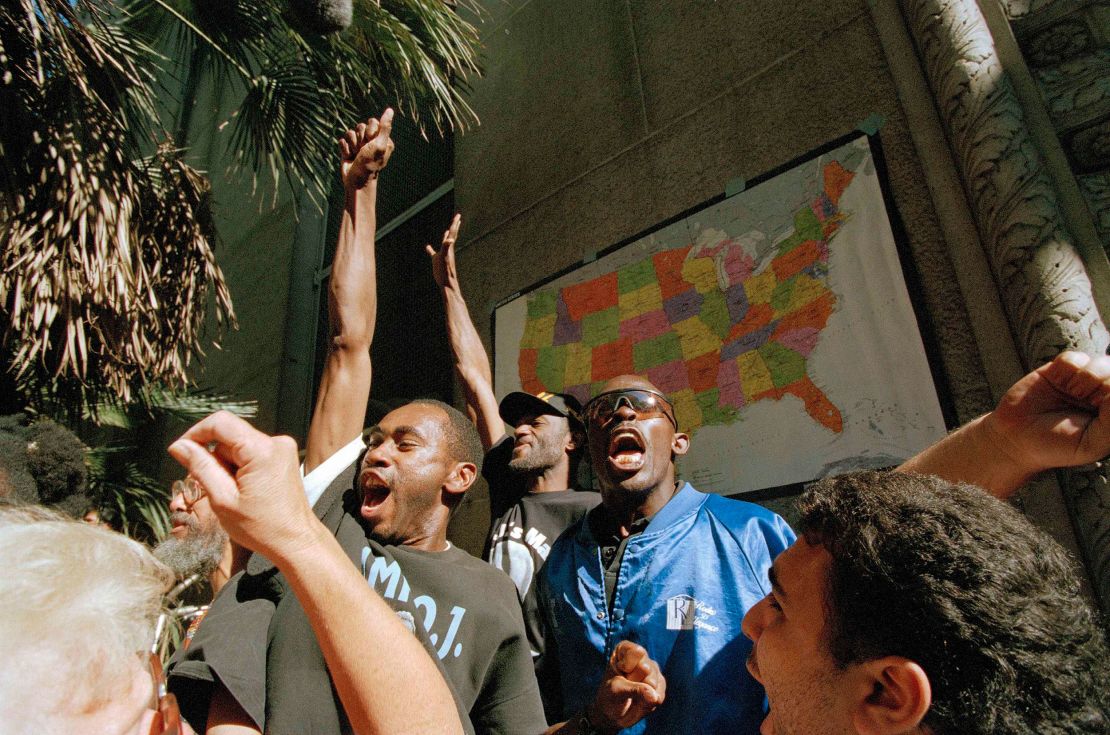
189,489
647,404
167,714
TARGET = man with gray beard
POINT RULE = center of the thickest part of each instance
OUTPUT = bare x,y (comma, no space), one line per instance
197,550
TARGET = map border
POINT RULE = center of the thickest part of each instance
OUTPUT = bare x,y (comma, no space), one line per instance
910,276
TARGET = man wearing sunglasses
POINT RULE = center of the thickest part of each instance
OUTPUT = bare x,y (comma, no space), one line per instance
662,564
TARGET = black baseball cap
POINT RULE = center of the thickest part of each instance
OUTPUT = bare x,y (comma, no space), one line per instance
518,404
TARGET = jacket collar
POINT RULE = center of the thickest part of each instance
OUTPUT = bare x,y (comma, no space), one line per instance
685,501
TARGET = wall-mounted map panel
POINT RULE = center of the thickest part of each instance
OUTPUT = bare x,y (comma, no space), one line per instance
778,321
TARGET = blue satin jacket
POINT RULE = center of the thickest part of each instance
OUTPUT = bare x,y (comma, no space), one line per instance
684,586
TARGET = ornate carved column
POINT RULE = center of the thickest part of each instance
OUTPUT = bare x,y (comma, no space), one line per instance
1066,44
1042,283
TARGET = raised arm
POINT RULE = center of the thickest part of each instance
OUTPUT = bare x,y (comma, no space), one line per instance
352,295
471,360
1056,416
385,679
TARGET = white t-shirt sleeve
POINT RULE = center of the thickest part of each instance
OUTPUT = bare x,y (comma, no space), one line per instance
317,481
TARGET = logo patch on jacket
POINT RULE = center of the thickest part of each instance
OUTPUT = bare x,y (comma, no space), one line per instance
686,613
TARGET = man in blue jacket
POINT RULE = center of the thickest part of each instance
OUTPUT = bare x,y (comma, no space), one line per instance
660,564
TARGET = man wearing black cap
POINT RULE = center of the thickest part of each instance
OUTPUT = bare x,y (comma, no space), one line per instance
532,499
531,472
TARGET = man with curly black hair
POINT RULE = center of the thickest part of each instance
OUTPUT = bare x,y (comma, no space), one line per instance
913,604
910,604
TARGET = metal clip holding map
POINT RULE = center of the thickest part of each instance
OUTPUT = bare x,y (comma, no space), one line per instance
872,124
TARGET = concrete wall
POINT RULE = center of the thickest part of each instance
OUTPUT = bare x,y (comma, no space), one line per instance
601,118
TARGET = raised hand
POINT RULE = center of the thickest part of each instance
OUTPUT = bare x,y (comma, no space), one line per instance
631,690
443,259
1056,416
365,150
252,481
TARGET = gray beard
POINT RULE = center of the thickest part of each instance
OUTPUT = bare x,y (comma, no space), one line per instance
199,552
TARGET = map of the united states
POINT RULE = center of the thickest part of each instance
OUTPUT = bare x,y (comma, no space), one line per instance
716,327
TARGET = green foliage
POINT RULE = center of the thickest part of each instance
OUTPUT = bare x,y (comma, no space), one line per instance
105,273
108,266
296,91
117,484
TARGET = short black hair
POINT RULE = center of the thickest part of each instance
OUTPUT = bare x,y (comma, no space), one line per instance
462,437
964,585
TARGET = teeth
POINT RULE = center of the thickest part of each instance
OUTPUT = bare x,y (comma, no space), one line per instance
628,458
624,441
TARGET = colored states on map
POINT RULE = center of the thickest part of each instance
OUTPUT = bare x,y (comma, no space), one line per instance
716,327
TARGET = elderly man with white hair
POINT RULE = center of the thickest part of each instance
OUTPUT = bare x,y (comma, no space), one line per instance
78,611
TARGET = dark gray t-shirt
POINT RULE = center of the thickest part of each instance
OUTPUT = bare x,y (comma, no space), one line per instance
523,529
258,642
471,615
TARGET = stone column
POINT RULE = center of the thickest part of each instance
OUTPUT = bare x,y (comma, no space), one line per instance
1042,283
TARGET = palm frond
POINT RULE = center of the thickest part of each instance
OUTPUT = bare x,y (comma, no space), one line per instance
109,265
300,90
160,402
106,274
195,405
115,481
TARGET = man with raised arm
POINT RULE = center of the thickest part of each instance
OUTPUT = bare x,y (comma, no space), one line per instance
256,663
386,681
531,473
236,672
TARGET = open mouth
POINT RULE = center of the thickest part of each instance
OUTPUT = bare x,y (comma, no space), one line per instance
753,667
375,491
626,449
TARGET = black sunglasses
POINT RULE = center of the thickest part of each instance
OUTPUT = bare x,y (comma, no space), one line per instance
647,404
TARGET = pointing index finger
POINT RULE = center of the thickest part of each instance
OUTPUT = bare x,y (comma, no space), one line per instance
209,471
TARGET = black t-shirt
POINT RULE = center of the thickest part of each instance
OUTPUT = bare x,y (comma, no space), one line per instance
524,527
258,642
